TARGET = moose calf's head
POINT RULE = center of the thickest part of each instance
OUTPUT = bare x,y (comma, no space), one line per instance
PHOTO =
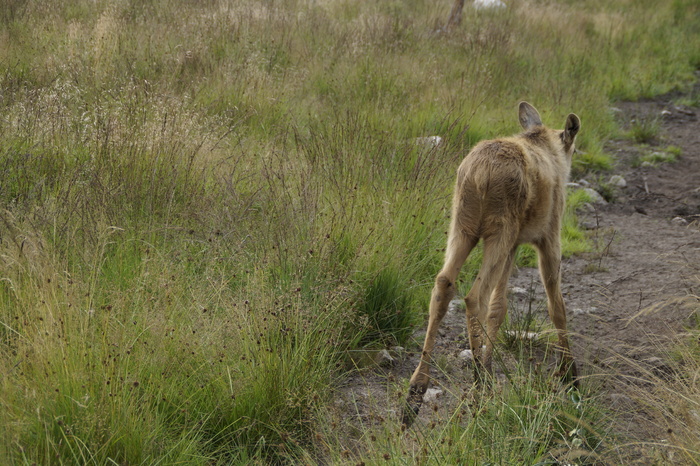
532,124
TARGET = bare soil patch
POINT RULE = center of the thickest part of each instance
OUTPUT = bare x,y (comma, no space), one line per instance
622,300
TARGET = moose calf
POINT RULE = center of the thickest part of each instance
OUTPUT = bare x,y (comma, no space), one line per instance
509,191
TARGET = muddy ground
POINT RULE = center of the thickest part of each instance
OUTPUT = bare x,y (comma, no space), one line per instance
623,304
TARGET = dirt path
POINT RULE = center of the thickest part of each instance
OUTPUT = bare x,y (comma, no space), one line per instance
653,258
617,298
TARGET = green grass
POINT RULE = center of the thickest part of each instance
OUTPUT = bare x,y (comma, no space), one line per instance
523,422
204,206
652,158
645,131
593,161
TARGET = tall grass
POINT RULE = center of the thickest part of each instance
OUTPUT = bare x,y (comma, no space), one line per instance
205,204
659,384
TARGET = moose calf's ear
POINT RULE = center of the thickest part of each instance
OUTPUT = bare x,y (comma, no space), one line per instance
573,124
528,115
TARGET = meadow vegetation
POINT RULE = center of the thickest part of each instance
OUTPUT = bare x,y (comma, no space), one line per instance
205,205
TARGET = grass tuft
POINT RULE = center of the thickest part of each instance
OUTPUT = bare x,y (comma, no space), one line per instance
645,131
385,305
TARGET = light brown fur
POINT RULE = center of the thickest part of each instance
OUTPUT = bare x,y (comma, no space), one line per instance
509,191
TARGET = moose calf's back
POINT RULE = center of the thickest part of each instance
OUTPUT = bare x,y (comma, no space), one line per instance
516,182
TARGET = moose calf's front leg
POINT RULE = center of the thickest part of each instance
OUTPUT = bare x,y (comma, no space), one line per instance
443,292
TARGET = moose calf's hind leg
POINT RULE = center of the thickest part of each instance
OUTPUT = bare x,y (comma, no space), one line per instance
444,290
484,314
497,310
550,270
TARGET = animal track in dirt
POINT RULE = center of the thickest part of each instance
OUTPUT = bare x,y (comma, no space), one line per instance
622,300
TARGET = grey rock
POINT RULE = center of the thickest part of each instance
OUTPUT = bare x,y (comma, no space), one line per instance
384,359
618,181
680,221
588,207
397,352
595,196
584,311
519,292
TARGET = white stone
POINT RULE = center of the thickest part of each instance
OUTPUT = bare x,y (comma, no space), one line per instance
467,354
579,311
488,4
583,182
522,335
429,142
432,394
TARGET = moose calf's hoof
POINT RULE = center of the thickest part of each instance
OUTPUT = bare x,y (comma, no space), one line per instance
410,411
569,374
413,404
